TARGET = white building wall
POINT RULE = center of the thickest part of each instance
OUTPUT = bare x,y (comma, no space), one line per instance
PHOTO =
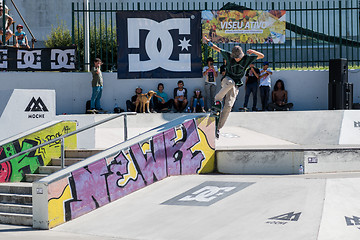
308,90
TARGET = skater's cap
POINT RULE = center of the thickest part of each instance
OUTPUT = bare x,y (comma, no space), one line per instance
197,90
266,63
237,52
138,87
19,26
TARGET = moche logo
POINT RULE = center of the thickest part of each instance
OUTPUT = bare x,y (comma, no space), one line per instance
36,106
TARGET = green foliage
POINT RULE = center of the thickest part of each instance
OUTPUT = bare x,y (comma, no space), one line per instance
206,52
103,43
59,36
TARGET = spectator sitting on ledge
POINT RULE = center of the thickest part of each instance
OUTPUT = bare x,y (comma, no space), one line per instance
279,98
8,21
21,38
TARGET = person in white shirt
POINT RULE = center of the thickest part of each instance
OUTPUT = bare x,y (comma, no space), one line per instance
265,85
210,72
180,97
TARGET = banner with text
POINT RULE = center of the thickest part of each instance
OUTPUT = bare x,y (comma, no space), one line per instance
159,44
38,59
247,26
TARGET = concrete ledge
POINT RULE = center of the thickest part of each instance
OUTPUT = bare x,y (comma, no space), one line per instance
259,162
324,159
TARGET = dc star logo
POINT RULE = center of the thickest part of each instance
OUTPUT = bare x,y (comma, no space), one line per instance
159,44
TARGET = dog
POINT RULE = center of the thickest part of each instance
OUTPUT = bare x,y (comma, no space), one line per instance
144,101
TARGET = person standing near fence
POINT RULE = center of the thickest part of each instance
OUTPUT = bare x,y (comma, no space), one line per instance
265,85
210,72
236,64
97,85
251,85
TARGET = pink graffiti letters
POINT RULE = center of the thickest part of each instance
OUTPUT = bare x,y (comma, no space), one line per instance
118,183
168,153
91,190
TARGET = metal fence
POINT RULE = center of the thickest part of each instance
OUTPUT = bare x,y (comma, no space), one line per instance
315,31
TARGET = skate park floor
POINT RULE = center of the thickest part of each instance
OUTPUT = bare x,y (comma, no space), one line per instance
248,207
269,207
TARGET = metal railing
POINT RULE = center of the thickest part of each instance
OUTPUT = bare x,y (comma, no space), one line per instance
61,138
315,31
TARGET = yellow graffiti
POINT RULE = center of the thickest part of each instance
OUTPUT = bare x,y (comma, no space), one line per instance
145,147
53,150
132,172
56,208
179,134
208,164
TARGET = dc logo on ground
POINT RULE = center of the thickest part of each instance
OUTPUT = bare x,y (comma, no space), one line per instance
207,193
159,44
62,59
158,31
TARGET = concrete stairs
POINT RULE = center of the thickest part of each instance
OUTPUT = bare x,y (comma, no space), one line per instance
16,203
16,198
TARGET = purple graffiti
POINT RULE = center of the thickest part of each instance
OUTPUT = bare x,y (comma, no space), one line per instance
90,186
180,158
153,164
117,169
99,183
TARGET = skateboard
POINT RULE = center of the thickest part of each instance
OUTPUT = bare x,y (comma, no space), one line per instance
243,109
215,112
102,111
94,111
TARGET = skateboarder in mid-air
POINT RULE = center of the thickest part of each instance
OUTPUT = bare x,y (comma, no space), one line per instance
236,64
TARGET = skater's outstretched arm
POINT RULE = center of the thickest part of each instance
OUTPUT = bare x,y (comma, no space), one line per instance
258,54
210,44
216,48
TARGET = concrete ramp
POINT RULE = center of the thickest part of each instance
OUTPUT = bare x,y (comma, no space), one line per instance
181,147
23,109
301,127
230,207
279,142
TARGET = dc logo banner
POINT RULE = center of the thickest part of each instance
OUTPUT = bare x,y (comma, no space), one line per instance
3,58
29,59
159,44
62,59
40,59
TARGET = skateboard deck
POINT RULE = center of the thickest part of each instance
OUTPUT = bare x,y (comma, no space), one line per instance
215,112
94,111
102,111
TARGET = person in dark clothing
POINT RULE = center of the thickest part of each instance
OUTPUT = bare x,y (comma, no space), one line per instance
251,85
130,104
236,64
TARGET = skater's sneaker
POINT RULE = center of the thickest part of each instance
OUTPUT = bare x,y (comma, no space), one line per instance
239,84
216,108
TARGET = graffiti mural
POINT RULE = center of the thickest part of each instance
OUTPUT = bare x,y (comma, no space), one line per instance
15,169
185,149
